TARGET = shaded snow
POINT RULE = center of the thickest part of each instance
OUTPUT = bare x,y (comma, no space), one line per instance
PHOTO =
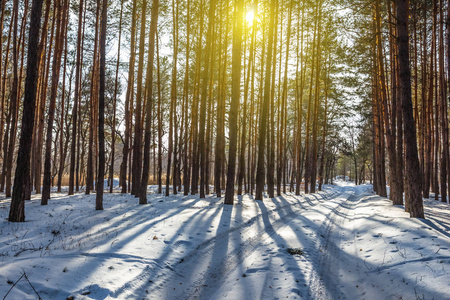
355,245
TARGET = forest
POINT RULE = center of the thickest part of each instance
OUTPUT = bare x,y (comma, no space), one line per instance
240,96
222,101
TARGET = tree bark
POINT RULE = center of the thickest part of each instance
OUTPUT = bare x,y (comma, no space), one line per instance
56,67
17,209
149,104
137,151
413,178
101,108
235,97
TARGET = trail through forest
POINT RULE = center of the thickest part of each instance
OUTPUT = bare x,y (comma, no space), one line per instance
342,243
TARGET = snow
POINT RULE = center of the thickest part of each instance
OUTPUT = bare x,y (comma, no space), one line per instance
353,244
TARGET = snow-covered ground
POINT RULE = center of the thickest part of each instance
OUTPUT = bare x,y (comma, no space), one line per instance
350,244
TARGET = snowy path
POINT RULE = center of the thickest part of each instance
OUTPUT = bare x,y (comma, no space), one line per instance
355,245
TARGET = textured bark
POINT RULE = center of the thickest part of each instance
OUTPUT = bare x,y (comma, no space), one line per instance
2,90
42,100
8,116
413,178
17,209
13,99
56,67
101,108
443,107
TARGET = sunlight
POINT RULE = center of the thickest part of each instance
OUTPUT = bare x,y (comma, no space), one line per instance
249,17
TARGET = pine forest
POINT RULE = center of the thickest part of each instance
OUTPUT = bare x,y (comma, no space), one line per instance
212,149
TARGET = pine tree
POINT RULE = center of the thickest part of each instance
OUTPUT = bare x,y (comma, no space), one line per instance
413,178
17,209
235,96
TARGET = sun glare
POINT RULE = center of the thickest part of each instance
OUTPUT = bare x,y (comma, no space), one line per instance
249,17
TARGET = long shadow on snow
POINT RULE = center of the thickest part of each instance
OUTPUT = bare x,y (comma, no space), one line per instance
332,285
152,276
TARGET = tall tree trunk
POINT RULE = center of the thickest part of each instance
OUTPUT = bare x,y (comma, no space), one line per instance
235,96
14,102
17,209
260,173
62,148
116,84
299,95
241,169
413,178
219,144
316,103
160,133
129,96
308,117
38,142
92,113
137,148
271,120
2,91
149,104
56,67
448,77
173,100
8,116
185,109
195,105
443,107
324,132
75,106
101,108
203,100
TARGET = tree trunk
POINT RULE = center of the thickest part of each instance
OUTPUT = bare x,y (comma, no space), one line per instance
149,104
260,173
129,95
62,148
186,157
173,100
17,209
203,100
56,67
101,108
413,178
113,129
137,151
75,106
235,96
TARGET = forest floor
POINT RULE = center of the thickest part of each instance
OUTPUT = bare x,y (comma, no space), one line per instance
342,243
